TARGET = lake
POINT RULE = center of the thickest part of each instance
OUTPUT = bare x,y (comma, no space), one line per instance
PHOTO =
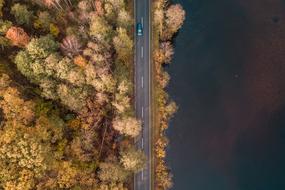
228,79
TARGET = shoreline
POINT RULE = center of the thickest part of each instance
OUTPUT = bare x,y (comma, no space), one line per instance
164,107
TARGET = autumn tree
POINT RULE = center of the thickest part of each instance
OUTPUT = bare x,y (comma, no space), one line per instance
128,126
98,53
163,176
66,178
133,160
160,146
163,79
43,21
100,29
17,36
170,109
99,73
112,8
22,14
117,5
73,97
85,11
124,19
83,146
85,5
112,172
80,61
175,16
167,51
50,3
42,47
123,45
122,100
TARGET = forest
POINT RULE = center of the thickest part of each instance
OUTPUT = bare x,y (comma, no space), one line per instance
67,118
66,95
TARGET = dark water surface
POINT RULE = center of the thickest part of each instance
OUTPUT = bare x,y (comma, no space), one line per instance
228,78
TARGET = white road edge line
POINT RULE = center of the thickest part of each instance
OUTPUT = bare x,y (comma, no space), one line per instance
135,77
142,52
149,100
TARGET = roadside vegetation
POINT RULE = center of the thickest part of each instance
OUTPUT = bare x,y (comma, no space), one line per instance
66,95
167,20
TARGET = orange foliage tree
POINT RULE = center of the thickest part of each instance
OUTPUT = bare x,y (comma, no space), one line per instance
17,36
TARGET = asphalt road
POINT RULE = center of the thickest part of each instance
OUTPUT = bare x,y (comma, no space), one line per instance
143,179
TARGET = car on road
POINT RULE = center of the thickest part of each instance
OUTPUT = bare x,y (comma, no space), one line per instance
139,29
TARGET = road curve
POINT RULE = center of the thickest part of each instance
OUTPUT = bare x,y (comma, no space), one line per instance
142,180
